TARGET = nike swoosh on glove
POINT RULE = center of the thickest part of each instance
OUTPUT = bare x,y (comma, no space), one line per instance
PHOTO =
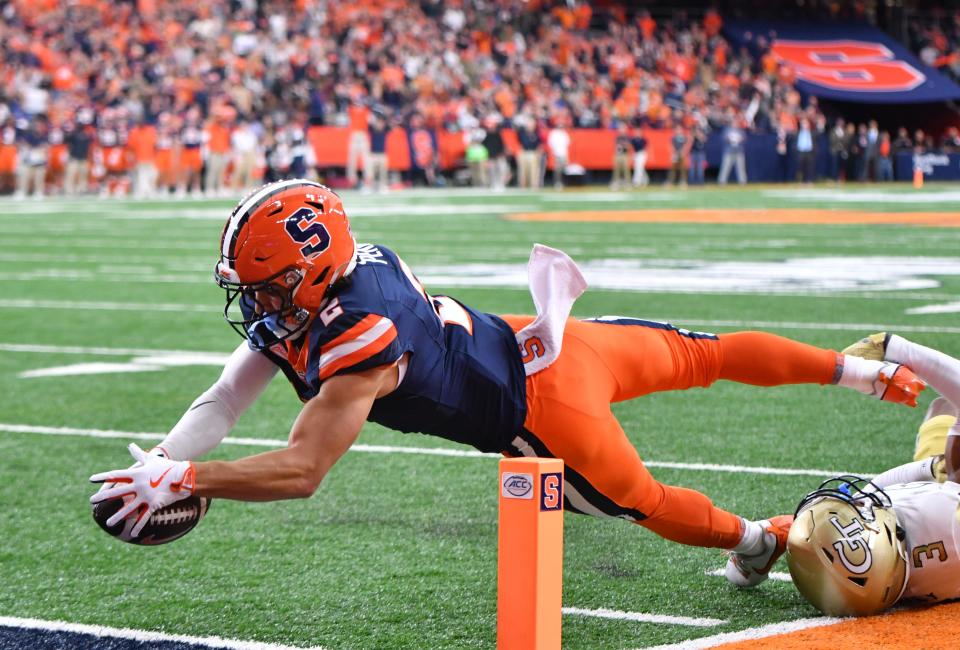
156,451
154,483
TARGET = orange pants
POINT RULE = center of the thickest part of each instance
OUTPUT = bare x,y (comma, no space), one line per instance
569,416
191,160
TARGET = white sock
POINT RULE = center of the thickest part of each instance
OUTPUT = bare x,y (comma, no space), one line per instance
936,368
752,541
860,374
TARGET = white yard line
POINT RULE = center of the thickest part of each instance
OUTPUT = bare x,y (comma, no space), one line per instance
143,636
408,210
750,634
793,325
7,303
422,451
78,275
865,196
636,617
31,348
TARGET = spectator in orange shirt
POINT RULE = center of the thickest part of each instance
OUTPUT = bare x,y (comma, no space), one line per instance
885,158
583,13
8,157
165,157
143,142
647,25
217,144
57,160
358,145
712,23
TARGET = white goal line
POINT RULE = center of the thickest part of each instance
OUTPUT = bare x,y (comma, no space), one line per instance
100,631
423,451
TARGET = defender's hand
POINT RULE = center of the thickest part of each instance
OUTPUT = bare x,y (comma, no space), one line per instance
153,483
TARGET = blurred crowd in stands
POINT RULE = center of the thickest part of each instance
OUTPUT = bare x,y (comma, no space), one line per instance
174,97
936,40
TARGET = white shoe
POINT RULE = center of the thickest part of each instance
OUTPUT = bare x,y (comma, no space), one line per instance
750,570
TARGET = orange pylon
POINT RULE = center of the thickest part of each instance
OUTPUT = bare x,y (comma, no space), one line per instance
530,555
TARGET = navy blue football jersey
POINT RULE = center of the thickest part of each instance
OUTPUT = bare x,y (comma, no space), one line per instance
465,379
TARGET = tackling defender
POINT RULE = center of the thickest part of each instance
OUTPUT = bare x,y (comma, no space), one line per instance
857,547
358,336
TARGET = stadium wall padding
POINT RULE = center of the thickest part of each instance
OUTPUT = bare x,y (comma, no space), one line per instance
593,149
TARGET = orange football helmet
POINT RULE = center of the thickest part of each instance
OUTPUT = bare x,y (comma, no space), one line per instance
283,247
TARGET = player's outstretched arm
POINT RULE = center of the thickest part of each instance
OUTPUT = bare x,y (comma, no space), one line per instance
214,413
322,433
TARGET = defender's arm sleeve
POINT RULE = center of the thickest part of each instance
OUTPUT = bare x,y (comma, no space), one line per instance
212,415
920,470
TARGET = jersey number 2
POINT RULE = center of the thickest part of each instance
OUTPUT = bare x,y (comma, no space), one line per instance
448,310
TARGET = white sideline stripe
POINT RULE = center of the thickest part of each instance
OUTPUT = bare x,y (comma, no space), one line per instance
776,576
789,325
637,617
746,469
105,306
750,634
425,451
143,635
248,442
105,351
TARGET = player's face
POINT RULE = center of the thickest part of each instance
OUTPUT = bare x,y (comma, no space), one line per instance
270,299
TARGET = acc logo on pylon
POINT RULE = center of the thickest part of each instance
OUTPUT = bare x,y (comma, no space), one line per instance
517,486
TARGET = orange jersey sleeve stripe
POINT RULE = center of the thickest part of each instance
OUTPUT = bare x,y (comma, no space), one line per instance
357,330
356,350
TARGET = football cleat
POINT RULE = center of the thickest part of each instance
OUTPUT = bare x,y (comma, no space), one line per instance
750,570
872,347
898,384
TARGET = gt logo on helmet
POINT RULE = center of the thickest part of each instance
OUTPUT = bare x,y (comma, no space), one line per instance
314,236
852,539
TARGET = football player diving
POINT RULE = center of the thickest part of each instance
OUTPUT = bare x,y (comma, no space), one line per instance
359,338
857,547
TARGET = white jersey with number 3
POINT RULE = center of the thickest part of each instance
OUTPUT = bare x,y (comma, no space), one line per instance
928,513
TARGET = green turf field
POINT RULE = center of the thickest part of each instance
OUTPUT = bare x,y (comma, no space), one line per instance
399,550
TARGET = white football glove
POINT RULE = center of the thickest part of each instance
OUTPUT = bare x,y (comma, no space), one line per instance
153,483
156,451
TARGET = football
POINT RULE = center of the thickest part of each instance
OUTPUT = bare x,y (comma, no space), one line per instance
164,526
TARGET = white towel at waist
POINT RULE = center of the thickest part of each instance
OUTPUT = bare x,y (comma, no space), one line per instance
555,283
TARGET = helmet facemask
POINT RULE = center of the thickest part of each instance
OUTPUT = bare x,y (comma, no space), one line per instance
264,313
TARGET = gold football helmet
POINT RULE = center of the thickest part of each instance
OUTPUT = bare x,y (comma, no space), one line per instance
845,551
